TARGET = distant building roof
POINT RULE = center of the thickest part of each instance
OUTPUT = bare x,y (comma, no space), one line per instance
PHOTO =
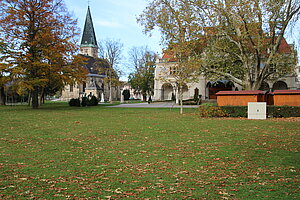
286,92
244,92
284,47
89,36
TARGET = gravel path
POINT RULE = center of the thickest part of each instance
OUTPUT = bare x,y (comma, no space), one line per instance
154,105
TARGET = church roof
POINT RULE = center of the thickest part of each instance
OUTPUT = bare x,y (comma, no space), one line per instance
89,36
95,66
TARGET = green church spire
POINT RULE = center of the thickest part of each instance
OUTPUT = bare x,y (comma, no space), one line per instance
88,36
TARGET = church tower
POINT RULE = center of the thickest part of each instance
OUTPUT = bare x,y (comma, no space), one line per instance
88,44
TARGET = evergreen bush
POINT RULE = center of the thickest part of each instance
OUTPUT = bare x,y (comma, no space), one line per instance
74,102
93,101
84,101
126,94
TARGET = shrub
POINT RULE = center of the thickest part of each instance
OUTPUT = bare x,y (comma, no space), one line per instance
93,101
272,111
283,111
236,111
74,102
84,101
189,102
210,104
173,98
126,94
211,111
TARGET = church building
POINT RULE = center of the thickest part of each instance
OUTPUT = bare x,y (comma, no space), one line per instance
95,82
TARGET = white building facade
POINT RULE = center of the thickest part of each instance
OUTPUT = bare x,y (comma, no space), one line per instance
166,88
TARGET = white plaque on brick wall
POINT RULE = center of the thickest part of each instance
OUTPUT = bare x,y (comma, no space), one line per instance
257,110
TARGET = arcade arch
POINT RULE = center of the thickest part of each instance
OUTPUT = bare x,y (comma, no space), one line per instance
280,85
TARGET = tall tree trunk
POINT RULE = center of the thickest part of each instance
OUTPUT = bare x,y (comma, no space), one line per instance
35,98
29,99
249,85
42,98
258,83
2,96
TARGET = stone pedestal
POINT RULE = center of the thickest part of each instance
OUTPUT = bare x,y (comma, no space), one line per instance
102,98
257,110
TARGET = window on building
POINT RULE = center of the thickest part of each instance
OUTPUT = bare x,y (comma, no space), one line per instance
173,70
71,88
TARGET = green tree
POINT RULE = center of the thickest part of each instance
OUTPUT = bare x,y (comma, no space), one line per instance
142,79
42,39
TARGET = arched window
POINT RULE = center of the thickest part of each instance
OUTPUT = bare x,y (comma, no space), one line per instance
280,85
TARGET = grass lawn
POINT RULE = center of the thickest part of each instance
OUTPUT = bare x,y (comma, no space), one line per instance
59,152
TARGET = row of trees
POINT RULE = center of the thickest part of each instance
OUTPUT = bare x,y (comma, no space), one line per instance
39,51
141,62
238,40
232,39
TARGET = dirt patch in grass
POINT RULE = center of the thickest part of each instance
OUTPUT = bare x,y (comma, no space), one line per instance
289,119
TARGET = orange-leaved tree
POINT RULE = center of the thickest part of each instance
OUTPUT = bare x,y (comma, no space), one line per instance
42,38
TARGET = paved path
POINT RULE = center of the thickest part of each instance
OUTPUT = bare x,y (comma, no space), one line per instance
153,105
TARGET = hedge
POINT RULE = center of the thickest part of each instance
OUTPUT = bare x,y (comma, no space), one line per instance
283,111
84,102
211,111
242,111
74,102
235,111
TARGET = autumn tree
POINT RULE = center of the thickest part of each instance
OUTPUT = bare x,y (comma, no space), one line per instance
4,71
111,50
142,78
250,36
179,28
42,39
243,36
